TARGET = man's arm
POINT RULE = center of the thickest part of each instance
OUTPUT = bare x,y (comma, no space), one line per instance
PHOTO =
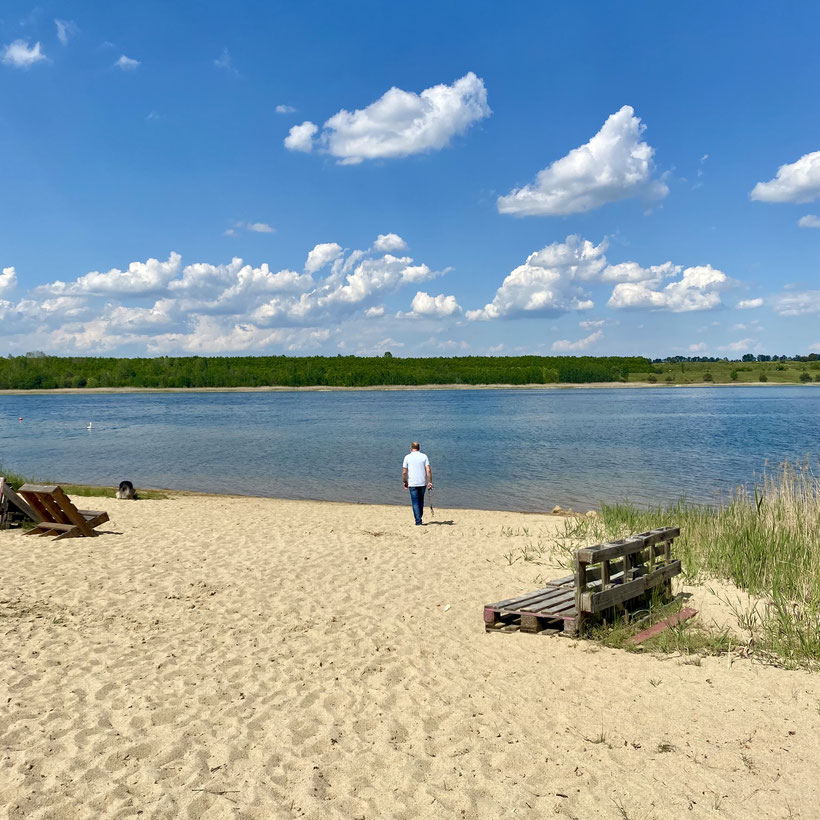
404,477
429,477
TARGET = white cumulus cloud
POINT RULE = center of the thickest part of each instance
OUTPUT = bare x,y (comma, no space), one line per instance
809,221
633,272
8,280
284,109
389,243
398,124
565,345
300,137
231,288
126,63
749,304
698,289
137,319
547,283
796,182
615,164
150,276
322,254
21,55
162,307
434,306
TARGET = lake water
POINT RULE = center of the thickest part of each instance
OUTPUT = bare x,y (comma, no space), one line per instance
496,449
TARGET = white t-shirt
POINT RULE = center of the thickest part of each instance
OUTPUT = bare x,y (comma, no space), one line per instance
415,464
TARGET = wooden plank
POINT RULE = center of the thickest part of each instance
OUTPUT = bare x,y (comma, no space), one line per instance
553,604
616,549
56,526
39,488
566,609
545,600
606,582
568,581
577,624
530,597
71,512
76,533
95,519
34,502
596,601
662,626
21,504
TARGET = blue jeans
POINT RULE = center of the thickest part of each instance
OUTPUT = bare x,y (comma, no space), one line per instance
417,500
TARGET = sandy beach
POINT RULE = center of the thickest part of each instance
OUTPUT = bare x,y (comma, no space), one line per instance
224,657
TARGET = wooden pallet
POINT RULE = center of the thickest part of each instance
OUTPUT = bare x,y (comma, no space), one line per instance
551,608
612,577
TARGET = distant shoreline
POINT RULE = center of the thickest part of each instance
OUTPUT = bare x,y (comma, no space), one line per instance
386,387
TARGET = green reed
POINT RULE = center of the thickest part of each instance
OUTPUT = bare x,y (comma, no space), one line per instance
764,539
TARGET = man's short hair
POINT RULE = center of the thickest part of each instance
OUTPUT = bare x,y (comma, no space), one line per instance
415,446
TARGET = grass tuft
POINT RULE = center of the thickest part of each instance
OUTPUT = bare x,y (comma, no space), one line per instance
16,480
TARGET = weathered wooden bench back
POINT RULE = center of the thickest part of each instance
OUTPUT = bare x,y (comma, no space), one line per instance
611,574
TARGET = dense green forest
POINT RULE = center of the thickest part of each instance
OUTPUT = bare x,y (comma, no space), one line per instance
38,372
35,371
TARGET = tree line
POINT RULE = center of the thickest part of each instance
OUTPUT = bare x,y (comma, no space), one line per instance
36,371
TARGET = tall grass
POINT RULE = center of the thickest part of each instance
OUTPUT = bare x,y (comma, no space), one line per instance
765,540
16,480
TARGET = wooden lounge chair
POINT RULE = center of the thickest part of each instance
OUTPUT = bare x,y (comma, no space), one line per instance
12,506
57,514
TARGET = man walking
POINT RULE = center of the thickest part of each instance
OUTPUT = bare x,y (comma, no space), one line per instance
416,475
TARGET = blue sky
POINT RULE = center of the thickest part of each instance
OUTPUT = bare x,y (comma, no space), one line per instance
428,178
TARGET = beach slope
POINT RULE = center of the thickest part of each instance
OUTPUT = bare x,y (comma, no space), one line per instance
224,657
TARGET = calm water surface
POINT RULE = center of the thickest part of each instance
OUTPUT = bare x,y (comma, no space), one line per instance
497,449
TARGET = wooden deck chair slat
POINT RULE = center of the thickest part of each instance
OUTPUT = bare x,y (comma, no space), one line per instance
71,512
54,511
21,504
34,502
95,519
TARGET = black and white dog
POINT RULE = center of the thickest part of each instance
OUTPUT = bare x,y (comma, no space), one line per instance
127,491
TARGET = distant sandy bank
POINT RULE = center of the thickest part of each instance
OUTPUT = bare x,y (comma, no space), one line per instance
328,389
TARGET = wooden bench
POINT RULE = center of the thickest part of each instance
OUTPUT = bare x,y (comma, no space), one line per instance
55,513
609,576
